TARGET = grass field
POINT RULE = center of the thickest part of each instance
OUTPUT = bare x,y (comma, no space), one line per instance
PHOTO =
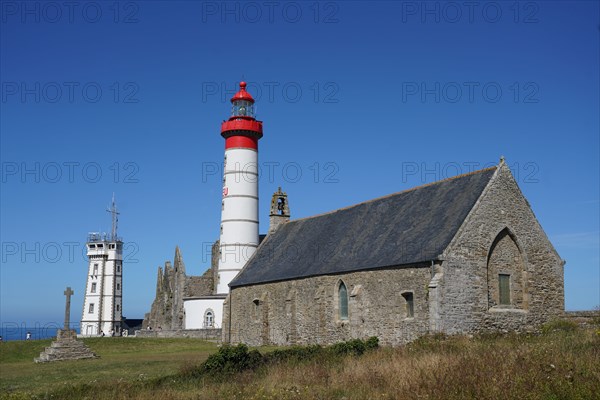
559,364
121,360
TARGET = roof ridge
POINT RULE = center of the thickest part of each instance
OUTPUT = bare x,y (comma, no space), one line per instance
396,193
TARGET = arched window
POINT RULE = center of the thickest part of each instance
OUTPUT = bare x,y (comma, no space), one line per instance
506,273
209,319
343,301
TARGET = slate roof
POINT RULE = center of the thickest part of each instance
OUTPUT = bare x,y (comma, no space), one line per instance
408,227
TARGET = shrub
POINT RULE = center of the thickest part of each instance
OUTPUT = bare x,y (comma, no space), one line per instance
294,353
231,359
559,325
372,343
355,347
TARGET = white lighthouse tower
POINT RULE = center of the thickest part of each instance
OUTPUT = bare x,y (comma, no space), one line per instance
102,306
239,216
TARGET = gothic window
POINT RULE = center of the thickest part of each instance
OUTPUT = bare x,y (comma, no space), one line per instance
409,302
95,269
209,319
343,301
118,307
507,281
91,309
504,289
93,287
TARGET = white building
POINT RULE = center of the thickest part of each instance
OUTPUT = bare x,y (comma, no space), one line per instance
102,305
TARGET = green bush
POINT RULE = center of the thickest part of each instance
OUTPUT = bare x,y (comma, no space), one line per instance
294,353
559,325
355,346
372,343
230,359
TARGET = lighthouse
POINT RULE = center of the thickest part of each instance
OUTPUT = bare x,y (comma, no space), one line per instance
102,312
239,207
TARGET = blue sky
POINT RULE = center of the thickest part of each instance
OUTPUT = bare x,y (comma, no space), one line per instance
359,100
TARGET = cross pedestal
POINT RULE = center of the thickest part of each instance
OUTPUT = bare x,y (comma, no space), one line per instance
66,346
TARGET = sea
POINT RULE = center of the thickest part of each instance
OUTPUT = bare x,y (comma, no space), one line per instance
13,331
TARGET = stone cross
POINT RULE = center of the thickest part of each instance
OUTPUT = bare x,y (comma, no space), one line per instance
68,293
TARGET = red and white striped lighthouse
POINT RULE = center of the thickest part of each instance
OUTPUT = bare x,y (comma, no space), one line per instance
239,215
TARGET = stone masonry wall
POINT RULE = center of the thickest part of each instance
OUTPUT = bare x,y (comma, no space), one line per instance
204,334
305,311
501,235
199,285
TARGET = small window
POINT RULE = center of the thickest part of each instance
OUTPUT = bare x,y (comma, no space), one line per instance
343,301
118,307
256,309
93,287
92,246
209,319
504,289
100,246
118,267
95,269
118,286
91,309
410,307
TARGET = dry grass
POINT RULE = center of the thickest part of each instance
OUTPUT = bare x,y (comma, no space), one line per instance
556,365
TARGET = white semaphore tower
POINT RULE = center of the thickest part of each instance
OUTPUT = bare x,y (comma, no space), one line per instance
102,305
239,216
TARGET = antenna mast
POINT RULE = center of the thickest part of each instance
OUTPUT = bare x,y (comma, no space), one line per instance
115,219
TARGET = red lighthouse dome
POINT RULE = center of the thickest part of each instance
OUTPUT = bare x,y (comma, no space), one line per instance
242,129
242,94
